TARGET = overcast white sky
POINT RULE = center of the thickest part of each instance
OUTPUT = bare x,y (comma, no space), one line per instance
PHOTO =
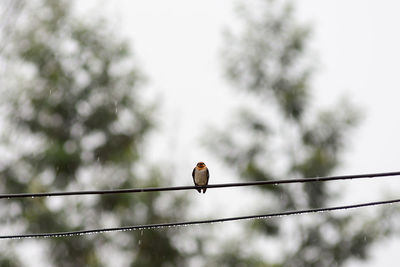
357,45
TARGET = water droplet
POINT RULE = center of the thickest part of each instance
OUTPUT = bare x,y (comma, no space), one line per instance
116,107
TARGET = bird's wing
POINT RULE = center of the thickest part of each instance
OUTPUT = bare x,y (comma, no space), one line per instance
208,175
193,176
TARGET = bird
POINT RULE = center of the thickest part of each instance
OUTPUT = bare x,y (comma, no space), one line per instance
200,176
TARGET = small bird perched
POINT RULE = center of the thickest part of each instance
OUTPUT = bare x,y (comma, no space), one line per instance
200,176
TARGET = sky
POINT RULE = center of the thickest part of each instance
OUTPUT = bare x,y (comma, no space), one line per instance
355,42
178,44
358,46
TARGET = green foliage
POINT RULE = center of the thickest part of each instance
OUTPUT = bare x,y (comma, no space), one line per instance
76,121
234,257
280,135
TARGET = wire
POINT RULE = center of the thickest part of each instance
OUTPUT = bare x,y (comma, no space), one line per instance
177,188
187,223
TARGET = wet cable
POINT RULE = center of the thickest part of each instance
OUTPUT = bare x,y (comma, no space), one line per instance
180,188
198,222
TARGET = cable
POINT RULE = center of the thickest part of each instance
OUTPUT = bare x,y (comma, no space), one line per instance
177,188
199,222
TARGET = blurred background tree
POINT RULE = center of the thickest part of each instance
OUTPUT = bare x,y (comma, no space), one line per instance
74,119
282,134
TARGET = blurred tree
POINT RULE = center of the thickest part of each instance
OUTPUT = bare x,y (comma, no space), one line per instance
281,135
75,121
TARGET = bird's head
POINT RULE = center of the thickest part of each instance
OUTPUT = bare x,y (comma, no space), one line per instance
200,165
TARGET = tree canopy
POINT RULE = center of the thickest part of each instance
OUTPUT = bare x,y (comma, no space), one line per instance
75,120
279,133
